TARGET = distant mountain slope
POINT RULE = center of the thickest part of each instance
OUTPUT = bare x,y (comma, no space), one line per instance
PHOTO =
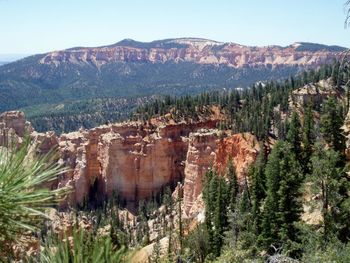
70,116
130,68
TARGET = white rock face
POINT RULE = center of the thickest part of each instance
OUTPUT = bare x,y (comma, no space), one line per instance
194,50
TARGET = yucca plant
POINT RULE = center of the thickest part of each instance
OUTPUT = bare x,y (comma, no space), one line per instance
83,246
23,197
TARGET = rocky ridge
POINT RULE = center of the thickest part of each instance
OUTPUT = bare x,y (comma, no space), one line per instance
195,50
138,160
66,82
315,93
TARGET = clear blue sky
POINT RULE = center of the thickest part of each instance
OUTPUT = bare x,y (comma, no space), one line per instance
35,26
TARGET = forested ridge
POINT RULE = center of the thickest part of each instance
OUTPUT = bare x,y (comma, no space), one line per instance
251,110
72,115
304,167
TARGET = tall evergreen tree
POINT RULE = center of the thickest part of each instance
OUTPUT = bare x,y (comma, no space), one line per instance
327,180
308,137
209,189
220,216
294,134
331,122
258,188
247,237
216,198
233,187
181,233
283,206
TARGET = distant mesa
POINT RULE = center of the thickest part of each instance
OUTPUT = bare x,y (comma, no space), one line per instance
198,51
131,68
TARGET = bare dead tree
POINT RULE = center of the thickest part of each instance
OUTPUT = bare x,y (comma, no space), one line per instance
347,11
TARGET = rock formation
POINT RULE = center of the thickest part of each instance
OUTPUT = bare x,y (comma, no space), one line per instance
346,129
137,161
315,93
199,51
242,148
206,149
12,127
200,157
130,159
129,69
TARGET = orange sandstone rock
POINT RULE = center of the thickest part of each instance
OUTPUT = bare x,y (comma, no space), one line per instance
207,150
137,160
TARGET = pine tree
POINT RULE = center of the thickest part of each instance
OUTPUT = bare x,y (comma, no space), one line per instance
308,138
331,123
294,134
181,234
245,226
240,234
220,215
143,235
282,207
233,187
258,188
208,194
327,180
216,199
156,253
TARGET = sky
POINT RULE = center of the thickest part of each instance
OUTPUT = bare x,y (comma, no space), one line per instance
39,26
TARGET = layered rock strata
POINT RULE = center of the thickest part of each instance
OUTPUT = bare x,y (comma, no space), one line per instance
199,51
136,161
209,149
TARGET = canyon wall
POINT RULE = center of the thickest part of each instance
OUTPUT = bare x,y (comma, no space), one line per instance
132,160
210,148
136,160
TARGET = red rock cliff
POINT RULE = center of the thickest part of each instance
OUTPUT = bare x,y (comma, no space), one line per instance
130,159
207,150
137,161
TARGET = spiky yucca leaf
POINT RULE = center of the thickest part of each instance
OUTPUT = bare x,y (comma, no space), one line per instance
83,246
23,199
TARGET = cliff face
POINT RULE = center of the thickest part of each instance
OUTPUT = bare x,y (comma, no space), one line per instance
315,93
136,161
200,157
199,51
346,129
12,128
14,120
242,148
206,149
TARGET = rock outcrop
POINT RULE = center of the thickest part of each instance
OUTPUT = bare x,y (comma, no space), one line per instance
243,148
200,157
14,120
131,160
346,131
314,93
13,128
199,51
145,254
136,161
208,149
